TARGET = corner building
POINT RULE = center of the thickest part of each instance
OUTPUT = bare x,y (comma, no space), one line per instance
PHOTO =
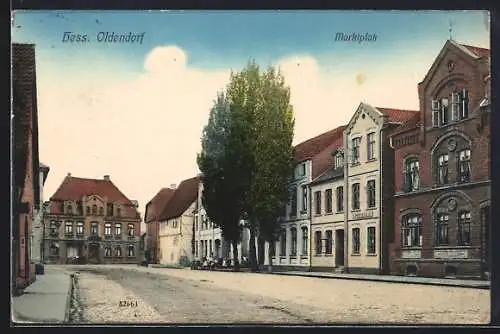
442,171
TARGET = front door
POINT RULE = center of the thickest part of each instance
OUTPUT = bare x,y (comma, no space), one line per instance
93,253
339,248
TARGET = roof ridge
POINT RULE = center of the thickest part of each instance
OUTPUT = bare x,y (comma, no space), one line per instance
321,134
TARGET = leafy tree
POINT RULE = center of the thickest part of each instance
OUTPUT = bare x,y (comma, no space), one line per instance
222,169
272,157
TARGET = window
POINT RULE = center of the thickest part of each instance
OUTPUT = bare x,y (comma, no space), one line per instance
317,201
305,240
94,209
411,175
283,243
370,189
328,200
79,228
339,161
443,169
318,242
118,212
355,150
94,230
303,169
107,251
118,229
53,228
355,196
340,199
329,242
131,230
370,149
464,222
68,228
463,104
355,240
176,240
293,204
293,245
464,174
70,209
109,209
79,208
371,240
444,113
88,210
107,229
101,211
304,199
118,251
442,229
196,247
131,250
411,231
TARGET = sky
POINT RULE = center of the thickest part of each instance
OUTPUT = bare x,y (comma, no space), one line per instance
136,111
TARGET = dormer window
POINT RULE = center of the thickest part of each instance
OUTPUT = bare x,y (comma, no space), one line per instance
338,160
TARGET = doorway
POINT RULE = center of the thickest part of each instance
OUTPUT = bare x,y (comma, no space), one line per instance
485,220
339,248
93,253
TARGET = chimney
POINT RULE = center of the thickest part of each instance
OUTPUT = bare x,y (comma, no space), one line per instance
69,175
106,178
173,186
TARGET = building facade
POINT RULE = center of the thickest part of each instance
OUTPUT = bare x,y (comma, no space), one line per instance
176,239
312,158
91,221
37,238
442,170
153,209
25,193
369,187
327,216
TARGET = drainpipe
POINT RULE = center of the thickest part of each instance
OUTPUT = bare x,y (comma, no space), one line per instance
381,204
346,201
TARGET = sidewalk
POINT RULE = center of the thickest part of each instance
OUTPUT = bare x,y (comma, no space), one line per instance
46,300
393,279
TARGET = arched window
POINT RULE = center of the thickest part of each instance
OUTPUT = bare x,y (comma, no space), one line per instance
464,224
464,174
442,168
118,251
411,175
442,226
131,250
411,230
107,251
131,230
305,240
318,242
293,245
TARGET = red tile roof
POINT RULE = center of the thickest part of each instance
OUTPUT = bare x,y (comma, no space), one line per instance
411,124
157,204
75,188
480,52
398,115
323,160
313,146
184,196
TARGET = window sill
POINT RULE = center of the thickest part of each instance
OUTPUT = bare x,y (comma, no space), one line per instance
371,160
371,208
355,210
328,255
318,255
282,257
355,164
453,247
339,212
411,248
317,215
303,212
328,213
355,254
371,254
304,256
293,256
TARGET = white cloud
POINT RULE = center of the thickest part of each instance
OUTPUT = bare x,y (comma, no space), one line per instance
145,131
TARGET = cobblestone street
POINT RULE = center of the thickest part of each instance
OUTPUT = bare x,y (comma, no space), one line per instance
162,295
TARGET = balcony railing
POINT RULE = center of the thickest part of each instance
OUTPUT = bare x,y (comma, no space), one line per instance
80,236
108,236
118,236
94,237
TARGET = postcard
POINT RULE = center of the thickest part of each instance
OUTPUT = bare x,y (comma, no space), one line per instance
251,167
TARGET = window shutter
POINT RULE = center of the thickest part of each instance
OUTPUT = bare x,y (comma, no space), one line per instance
436,106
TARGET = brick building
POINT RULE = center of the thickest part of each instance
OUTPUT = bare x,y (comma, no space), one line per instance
442,170
93,221
25,190
153,208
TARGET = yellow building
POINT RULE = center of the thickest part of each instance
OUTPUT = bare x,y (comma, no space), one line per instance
327,216
367,191
176,225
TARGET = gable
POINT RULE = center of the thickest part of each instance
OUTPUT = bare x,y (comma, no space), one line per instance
367,115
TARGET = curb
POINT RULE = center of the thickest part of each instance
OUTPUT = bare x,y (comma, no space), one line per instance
68,298
450,284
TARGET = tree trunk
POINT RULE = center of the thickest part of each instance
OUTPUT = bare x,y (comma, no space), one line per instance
235,256
261,243
270,253
252,252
